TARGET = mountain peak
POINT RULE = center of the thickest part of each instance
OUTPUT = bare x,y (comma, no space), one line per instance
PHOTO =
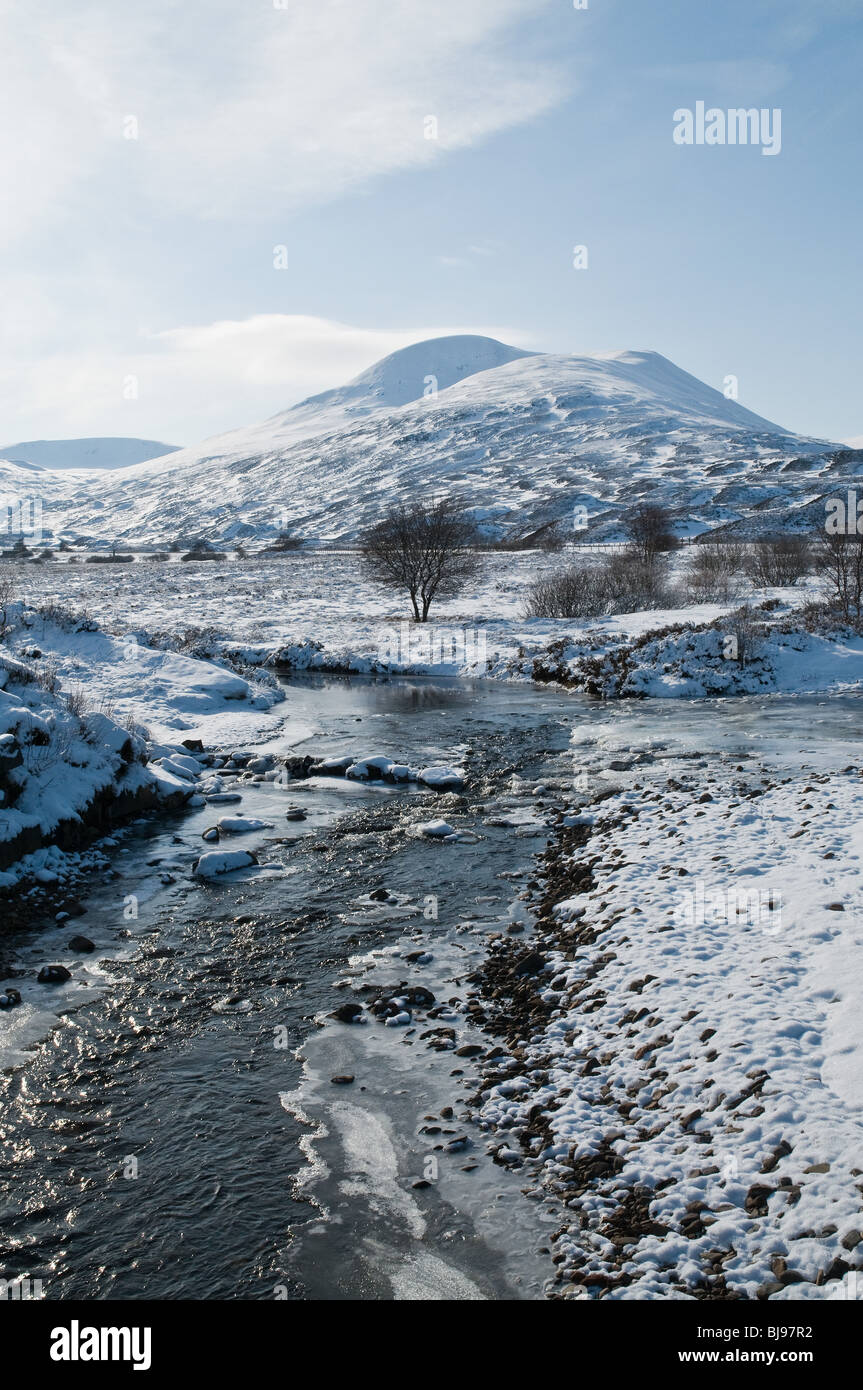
418,370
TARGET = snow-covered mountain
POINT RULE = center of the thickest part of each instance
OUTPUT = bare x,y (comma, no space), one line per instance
523,437
85,453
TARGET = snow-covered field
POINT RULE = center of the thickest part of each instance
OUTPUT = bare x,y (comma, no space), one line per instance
316,609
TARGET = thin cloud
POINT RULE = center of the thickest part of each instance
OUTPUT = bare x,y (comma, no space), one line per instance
198,380
241,106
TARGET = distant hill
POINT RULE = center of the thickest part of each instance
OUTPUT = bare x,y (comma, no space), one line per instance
85,453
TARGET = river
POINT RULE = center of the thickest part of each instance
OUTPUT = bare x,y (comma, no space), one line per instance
170,1126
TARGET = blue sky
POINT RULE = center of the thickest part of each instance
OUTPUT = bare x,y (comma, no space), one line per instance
140,295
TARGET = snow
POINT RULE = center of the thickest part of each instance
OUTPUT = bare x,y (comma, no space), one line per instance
438,830
218,862
169,693
442,778
241,825
55,762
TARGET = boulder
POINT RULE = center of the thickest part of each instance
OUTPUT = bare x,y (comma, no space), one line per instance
82,944
53,975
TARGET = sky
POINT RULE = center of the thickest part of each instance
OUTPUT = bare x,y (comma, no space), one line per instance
214,208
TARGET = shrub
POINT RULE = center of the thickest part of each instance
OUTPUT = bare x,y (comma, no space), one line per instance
7,595
777,561
714,573
618,583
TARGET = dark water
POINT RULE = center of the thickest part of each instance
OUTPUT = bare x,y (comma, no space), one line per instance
169,1070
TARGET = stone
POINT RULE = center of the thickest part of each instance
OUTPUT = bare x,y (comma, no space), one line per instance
53,975
347,1013
82,944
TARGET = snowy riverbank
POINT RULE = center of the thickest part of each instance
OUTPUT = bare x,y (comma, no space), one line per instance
684,1074
91,730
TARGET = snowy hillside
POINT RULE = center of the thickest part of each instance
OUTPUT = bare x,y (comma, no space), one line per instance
523,437
84,453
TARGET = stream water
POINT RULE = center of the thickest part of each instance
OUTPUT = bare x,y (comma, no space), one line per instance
170,1125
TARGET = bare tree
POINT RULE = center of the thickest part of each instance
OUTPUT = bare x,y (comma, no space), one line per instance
286,542
839,562
648,527
426,550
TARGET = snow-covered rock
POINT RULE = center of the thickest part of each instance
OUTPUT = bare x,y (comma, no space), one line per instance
241,825
442,778
218,862
438,830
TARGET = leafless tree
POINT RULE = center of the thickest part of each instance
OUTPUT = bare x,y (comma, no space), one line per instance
286,542
426,550
839,562
648,527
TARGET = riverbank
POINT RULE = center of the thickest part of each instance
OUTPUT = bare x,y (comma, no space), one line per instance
684,1075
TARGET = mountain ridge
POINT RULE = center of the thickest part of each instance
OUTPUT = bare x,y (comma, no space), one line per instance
519,436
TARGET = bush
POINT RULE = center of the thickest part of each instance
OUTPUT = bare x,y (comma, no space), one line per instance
714,573
617,583
745,633
778,561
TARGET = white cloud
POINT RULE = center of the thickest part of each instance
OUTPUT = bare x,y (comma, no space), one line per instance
199,380
241,104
